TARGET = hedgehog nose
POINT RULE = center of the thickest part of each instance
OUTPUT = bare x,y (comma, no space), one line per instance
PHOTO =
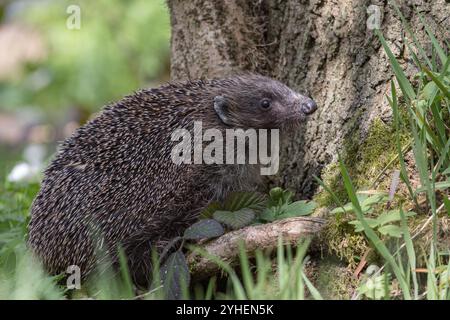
309,106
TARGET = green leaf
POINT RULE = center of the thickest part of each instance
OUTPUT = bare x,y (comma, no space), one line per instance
410,251
210,209
278,196
391,230
442,185
313,290
240,200
366,203
276,193
397,120
429,91
298,208
402,80
412,35
235,219
175,277
203,229
447,205
347,208
269,214
373,237
438,82
359,227
392,216
327,189
434,41
374,287
374,199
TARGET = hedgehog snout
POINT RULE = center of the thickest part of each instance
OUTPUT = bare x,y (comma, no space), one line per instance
303,106
309,106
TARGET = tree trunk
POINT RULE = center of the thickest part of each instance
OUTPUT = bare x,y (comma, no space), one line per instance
323,48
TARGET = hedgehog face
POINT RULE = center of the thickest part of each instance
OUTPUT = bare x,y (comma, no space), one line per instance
258,102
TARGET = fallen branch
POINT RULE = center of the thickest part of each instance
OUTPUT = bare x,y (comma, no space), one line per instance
263,236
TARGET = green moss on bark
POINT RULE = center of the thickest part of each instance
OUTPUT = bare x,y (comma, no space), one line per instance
341,240
365,161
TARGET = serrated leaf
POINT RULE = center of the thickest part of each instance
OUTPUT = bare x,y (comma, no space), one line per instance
298,208
240,200
374,199
368,203
359,227
174,275
391,230
363,200
235,219
204,229
268,214
375,287
210,209
348,208
392,216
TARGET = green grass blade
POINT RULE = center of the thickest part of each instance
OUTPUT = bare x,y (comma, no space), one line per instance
314,292
444,158
432,285
438,82
404,173
420,155
247,277
237,285
376,241
410,251
211,288
407,28
403,82
435,143
128,283
332,194
434,41
447,205
439,123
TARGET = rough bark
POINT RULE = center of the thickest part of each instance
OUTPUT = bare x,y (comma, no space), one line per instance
226,247
320,47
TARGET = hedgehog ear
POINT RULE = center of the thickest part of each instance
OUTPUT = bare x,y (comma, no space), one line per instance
221,108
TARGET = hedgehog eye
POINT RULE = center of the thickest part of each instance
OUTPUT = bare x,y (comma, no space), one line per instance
265,103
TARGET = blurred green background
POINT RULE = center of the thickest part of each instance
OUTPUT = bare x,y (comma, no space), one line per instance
54,75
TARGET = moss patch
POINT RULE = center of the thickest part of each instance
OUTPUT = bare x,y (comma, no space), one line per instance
335,281
340,239
365,161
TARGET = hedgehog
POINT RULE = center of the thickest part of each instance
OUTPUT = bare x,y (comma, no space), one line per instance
113,182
